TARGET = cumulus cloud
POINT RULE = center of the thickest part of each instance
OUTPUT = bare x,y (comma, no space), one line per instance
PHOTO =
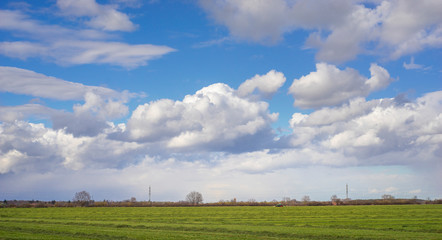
411,27
340,29
104,17
330,86
90,118
21,152
264,86
10,159
213,118
26,145
389,132
66,46
348,38
384,131
102,108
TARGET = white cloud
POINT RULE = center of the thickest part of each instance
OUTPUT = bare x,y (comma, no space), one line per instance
267,21
19,22
23,50
341,29
330,86
348,38
10,159
410,27
255,20
33,146
22,81
382,131
113,53
212,42
66,46
102,108
104,17
265,85
213,118
86,52
88,119
13,113
412,65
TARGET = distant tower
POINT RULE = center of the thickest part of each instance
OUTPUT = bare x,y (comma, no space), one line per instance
149,193
346,191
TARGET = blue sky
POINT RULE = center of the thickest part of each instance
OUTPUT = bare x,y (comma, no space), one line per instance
248,99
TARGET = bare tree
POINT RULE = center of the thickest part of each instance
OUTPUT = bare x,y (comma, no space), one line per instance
194,198
82,197
306,198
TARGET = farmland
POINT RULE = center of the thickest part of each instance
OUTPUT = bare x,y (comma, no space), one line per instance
325,222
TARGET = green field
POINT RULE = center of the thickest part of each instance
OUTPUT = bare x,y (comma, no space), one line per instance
330,222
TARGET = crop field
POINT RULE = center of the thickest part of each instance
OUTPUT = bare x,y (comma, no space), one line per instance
329,222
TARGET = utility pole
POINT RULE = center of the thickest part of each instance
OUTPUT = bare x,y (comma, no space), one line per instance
149,194
346,191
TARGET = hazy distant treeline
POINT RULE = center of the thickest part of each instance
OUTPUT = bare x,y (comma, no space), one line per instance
45,204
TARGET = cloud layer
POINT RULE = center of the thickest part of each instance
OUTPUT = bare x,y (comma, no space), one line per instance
218,118
217,132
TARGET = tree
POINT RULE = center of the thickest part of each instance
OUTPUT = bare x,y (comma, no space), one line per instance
387,196
306,198
334,198
82,197
194,198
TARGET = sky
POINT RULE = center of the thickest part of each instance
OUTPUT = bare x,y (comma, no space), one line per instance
251,99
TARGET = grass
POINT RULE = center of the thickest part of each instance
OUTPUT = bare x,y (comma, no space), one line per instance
330,222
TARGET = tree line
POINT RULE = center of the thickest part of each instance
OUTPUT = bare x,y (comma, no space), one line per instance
194,198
